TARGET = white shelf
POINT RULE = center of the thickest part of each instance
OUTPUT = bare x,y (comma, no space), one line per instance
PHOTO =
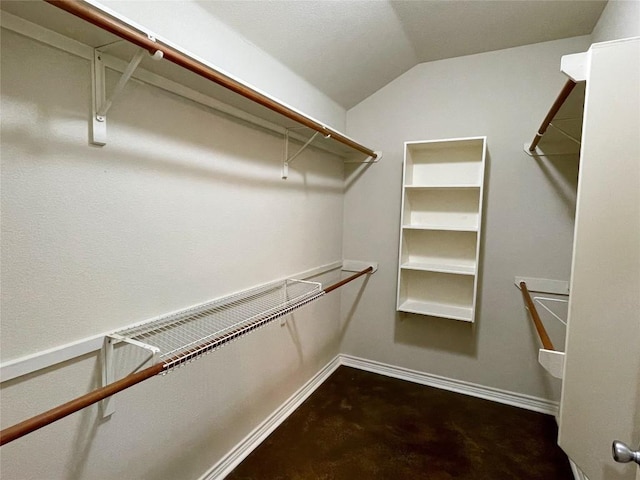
440,267
464,314
440,228
449,186
441,292
228,94
439,251
442,208
445,162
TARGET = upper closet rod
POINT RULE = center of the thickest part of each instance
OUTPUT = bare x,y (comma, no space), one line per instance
122,30
542,332
564,93
34,423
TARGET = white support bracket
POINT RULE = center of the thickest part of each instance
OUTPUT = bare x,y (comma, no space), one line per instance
358,266
552,361
110,341
101,104
287,160
575,66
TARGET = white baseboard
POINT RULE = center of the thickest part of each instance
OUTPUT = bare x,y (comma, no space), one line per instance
257,436
262,431
488,393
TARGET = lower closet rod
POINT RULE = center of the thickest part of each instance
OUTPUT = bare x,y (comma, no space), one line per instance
542,332
25,427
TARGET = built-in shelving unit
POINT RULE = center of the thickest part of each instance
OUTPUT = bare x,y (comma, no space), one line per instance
440,227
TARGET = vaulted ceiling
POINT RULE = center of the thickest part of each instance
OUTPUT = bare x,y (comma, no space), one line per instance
351,48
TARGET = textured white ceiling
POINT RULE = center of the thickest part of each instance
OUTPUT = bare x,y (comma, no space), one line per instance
350,48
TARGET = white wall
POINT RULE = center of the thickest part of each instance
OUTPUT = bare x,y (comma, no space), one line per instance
528,216
181,206
619,19
192,27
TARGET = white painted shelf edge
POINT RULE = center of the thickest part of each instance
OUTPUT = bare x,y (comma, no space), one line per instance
444,185
453,312
452,228
442,267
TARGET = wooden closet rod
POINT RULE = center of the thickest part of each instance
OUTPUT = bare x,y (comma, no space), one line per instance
25,427
126,32
331,288
562,97
542,332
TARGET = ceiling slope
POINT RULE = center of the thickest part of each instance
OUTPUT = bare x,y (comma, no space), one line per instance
349,49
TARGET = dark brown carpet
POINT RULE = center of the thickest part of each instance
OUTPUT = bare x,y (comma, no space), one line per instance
360,425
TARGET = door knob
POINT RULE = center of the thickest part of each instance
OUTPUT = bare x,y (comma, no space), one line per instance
623,454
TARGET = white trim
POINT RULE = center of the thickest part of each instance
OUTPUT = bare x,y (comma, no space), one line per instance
577,473
37,361
575,66
232,459
527,402
552,361
47,358
238,453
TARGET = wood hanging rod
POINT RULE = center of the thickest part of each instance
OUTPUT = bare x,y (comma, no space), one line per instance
25,427
542,332
127,32
562,97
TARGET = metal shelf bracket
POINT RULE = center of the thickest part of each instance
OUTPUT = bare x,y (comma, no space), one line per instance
110,341
101,104
287,160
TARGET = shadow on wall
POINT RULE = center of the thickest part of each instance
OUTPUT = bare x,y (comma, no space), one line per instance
206,145
562,173
436,333
353,308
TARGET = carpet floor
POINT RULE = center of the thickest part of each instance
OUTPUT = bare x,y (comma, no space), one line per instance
360,425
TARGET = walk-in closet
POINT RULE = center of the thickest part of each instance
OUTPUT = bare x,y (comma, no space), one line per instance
318,239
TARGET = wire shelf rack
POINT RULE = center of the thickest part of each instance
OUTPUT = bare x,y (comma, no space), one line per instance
183,336
186,335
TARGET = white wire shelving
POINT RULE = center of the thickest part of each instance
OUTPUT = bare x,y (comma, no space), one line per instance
184,336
